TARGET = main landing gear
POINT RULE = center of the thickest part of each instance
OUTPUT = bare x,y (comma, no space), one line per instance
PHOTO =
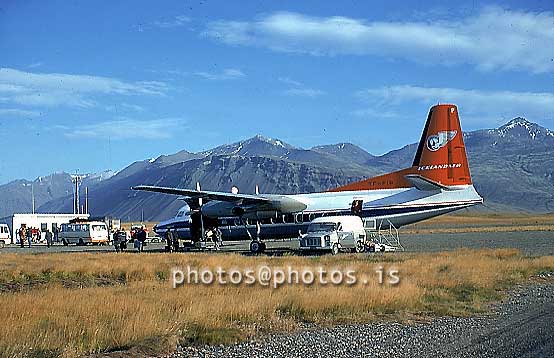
257,246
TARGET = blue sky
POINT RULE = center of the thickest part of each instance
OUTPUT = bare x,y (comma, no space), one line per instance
97,85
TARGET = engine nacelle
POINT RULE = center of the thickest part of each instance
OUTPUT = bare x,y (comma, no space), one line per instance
216,209
270,209
259,215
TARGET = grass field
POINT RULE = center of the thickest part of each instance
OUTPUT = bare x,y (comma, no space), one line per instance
72,304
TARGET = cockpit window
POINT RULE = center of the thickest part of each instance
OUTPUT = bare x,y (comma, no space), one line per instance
180,213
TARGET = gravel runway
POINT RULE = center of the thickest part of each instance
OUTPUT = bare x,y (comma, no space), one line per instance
521,326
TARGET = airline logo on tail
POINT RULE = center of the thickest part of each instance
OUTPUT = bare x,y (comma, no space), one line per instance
439,140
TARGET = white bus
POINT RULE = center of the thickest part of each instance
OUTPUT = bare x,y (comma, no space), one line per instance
5,238
84,232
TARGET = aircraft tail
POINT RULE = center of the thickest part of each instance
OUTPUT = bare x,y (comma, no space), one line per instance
441,154
440,158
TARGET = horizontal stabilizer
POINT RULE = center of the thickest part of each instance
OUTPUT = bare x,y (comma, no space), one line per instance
425,184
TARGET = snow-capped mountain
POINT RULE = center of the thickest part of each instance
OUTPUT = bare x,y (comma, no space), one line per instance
512,167
255,146
520,127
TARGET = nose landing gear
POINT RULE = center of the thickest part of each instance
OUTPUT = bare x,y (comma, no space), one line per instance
257,246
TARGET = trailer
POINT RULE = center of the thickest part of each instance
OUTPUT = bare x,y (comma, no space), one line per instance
51,221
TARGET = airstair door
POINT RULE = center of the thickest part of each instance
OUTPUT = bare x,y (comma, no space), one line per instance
356,208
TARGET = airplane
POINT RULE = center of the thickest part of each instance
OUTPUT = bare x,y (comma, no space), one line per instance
438,182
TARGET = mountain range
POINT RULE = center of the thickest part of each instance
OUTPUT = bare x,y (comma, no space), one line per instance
512,168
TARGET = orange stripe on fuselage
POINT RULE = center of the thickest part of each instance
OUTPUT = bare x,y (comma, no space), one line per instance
385,181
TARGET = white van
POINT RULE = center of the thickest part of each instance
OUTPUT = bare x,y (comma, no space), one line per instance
82,233
5,237
335,233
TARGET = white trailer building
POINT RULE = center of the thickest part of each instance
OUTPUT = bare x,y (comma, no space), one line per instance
42,222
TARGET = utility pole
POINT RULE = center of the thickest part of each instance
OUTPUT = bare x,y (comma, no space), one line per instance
33,197
77,179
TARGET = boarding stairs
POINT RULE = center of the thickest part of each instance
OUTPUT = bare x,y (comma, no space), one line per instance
384,234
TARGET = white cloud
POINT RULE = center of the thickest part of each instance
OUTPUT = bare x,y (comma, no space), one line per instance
492,39
126,128
304,92
375,113
167,23
125,107
176,21
56,89
478,106
226,74
298,89
19,113
35,65
289,81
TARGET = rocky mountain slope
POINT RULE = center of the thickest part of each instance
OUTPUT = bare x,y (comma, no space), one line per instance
512,167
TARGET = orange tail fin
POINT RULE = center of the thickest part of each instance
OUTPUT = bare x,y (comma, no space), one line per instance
440,157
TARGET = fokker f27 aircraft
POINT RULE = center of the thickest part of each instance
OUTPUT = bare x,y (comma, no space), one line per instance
438,182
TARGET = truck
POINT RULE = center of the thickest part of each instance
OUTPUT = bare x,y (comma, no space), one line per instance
335,234
344,233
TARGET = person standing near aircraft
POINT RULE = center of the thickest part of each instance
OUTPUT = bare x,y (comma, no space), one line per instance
175,240
55,232
48,237
29,234
115,240
22,235
141,236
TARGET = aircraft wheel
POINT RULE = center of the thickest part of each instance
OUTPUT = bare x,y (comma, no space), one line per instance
360,247
335,249
382,248
65,243
255,247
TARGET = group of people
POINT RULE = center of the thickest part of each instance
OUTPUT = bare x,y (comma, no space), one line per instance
171,241
139,238
212,234
120,239
32,235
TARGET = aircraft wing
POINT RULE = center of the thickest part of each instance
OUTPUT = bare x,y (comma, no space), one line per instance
201,194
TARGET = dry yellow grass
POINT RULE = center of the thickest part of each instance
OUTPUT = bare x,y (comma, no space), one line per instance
70,304
483,223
